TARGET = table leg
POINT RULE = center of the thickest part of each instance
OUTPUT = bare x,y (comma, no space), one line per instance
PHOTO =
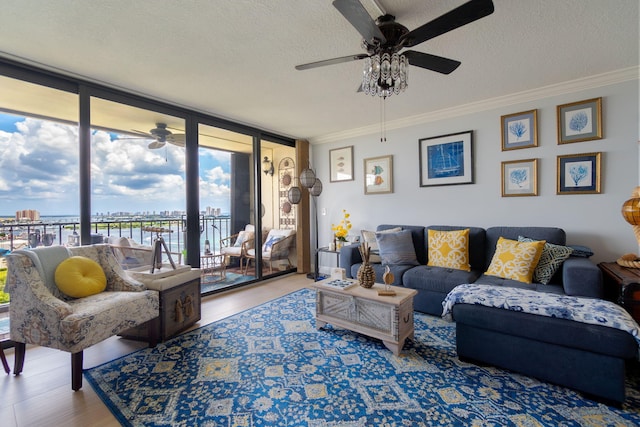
394,347
5,364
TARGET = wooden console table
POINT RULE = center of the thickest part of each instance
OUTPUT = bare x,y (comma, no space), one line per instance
388,318
622,286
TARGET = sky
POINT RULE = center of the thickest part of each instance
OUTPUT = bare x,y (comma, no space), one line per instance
39,170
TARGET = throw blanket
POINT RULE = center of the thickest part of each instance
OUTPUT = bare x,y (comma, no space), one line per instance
586,310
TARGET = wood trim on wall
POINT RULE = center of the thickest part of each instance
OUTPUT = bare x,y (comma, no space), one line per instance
303,232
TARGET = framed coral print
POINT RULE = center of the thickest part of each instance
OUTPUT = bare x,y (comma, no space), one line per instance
446,159
520,178
341,164
519,130
378,175
579,174
580,121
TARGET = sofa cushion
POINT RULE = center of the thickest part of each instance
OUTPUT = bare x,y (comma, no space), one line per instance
477,239
369,237
550,261
437,279
567,333
418,236
396,248
486,279
397,270
515,260
449,249
553,235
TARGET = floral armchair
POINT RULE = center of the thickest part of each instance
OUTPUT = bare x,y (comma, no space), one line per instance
42,315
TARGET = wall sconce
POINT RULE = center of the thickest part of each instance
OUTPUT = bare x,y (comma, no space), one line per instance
267,166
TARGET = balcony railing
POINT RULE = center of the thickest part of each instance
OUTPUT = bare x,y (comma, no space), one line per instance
18,235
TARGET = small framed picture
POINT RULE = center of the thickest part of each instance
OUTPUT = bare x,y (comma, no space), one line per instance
341,164
520,178
580,121
519,130
579,174
446,159
378,175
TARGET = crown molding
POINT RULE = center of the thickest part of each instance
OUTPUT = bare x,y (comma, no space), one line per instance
585,83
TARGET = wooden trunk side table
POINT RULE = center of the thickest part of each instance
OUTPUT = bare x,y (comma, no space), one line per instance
622,286
388,318
180,305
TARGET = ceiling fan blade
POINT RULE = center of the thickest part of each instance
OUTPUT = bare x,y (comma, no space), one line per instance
431,62
358,16
176,139
333,61
156,144
462,15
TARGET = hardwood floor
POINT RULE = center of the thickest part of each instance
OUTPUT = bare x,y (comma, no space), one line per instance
41,395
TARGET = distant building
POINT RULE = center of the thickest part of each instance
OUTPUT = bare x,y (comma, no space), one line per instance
28,214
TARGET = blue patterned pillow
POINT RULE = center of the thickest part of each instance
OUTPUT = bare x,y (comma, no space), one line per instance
397,248
550,261
268,245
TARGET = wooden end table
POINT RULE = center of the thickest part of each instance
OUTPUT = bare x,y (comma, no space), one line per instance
388,318
622,286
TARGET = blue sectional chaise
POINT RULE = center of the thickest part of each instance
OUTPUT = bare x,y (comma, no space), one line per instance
588,358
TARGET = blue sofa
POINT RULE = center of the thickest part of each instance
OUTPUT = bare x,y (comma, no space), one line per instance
577,277
588,358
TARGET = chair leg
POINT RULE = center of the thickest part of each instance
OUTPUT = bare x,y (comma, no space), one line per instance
18,363
76,370
153,331
5,364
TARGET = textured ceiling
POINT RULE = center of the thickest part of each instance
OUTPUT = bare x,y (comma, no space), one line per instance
235,59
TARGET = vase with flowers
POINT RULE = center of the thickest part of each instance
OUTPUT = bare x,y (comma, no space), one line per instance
341,230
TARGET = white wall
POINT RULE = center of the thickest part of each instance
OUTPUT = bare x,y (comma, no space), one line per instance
593,220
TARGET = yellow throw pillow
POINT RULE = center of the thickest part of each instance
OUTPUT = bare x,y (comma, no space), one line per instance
515,260
449,249
80,277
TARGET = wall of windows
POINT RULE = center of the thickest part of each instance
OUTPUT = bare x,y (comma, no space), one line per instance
109,162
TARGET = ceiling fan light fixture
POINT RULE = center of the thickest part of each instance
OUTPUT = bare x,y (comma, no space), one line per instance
386,74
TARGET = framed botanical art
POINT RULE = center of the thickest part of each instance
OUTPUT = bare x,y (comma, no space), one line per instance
580,121
378,175
519,130
341,164
520,178
446,159
579,174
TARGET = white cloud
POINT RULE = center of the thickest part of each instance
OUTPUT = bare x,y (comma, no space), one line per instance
39,170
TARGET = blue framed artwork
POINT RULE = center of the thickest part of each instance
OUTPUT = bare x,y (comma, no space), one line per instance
519,130
446,159
579,174
580,121
520,178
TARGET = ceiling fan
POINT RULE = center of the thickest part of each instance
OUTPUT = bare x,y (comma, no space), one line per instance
386,36
161,135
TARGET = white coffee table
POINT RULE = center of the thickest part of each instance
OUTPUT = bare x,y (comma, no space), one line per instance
388,318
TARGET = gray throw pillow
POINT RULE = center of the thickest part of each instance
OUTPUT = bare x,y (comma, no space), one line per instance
397,248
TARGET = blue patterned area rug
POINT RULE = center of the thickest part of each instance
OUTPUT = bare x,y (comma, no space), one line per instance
269,366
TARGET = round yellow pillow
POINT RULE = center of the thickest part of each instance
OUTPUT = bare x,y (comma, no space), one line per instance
80,277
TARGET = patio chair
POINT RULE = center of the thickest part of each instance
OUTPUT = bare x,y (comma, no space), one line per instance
41,314
276,247
238,244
